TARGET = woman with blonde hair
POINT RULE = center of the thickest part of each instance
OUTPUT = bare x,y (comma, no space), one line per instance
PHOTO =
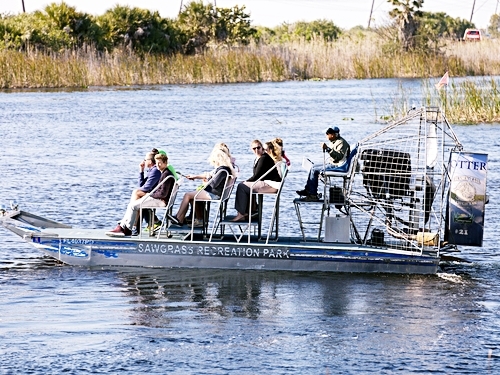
215,183
223,147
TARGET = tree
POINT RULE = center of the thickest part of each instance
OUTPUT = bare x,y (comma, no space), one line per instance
494,26
434,26
233,26
196,24
406,14
140,30
285,32
57,27
201,24
80,27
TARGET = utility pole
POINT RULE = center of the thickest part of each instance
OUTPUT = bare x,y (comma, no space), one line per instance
24,10
180,8
496,8
473,5
371,12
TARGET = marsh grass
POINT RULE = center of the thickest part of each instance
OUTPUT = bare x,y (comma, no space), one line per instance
353,56
471,101
83,69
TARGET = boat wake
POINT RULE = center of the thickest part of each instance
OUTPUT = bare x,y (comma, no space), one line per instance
457,279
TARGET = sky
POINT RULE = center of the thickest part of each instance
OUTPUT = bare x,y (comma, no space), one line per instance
344,13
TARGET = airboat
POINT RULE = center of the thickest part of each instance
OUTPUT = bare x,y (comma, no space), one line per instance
408,195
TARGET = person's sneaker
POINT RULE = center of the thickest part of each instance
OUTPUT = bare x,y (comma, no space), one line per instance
303,192
312,198
156,226
135,232
174,220
127,231
117,232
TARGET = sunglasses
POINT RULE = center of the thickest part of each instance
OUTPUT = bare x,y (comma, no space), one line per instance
256,148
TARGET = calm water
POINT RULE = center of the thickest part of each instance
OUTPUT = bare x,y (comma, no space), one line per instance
73,156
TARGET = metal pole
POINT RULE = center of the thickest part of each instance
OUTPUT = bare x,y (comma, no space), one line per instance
473,5
24,10
496,7
371,12
180,8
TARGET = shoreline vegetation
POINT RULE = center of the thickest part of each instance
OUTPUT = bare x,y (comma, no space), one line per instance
300,60
105,51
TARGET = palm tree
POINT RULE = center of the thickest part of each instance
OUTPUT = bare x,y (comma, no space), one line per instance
406,13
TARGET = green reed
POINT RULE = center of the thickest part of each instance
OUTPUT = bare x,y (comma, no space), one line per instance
351,57
470,101
473,102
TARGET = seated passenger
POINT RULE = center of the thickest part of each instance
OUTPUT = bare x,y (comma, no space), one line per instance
148,182
225,148
147,213
339,150
170,166
279,142
262,164
274,151
159,198
212,190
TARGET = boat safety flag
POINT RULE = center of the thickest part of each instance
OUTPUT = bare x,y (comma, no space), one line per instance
443,81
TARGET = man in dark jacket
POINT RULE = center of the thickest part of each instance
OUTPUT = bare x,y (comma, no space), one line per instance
158,198
338,150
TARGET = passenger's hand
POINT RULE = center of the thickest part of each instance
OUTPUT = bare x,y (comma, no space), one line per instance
324,146
142,165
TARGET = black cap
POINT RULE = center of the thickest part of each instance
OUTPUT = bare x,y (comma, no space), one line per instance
334,130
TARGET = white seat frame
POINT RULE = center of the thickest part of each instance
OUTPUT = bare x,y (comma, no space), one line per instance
246,226
167,206
226,193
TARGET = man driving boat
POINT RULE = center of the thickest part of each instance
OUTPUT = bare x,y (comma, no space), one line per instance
338,150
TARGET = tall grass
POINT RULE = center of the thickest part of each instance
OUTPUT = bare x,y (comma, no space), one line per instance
351,57
83,69
470,101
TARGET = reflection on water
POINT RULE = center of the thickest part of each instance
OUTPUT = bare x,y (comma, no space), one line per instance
72,156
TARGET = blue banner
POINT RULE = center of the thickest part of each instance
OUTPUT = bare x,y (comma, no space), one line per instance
465,220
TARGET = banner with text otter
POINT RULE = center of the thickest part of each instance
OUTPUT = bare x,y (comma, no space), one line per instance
467,199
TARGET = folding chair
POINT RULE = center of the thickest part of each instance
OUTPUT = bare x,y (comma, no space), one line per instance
247,226
226,193
157,204
168,208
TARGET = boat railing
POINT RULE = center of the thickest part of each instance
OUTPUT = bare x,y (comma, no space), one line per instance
246,226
